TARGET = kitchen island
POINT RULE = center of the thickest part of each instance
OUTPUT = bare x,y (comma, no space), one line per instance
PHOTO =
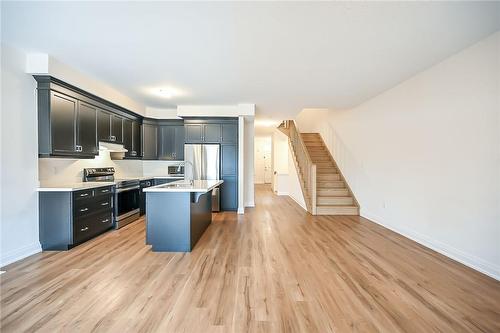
178,213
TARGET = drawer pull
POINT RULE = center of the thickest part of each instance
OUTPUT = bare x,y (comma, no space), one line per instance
105,221
84,209
104,191
84,229
105,204
84,194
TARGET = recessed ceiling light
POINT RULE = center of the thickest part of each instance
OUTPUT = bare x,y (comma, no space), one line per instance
166,92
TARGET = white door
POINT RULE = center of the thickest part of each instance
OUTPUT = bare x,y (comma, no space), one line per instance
267,167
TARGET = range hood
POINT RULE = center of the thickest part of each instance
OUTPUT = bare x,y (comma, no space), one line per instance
112,147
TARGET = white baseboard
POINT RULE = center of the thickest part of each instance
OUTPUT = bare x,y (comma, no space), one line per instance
250,204
297,202
18,254
467,259
241,210
282,193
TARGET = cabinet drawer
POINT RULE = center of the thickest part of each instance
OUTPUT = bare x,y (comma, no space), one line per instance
87,207
103,190
83,230
84,194
91,226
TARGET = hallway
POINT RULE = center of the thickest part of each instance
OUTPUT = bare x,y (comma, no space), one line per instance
274,269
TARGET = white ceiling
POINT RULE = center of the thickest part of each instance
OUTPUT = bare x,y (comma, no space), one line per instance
281,56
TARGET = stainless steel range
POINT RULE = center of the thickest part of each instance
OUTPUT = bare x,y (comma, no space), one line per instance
126,196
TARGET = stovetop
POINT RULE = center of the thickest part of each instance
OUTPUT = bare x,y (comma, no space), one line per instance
108,175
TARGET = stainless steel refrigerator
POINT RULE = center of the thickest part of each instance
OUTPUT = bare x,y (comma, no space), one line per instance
202,161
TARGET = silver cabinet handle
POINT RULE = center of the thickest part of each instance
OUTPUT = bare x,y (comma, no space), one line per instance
105,221
84,229
84,209
78,148
104,191
105,204
84,194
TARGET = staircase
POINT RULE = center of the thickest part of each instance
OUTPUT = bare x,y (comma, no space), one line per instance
323,186
333,196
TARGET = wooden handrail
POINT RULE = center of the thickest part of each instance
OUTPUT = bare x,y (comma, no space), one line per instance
306,168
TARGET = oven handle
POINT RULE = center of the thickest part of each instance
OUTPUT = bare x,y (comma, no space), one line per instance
127,189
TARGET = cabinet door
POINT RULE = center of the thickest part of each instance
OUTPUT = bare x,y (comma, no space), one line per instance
229,193
229,133
229,160
86,128
179,143
116,128
194,133
211,133
103,125
166,142
63,112
127,136
150,141
136,139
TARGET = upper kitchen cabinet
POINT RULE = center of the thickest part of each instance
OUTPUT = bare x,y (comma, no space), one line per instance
103,125
71,122
61,125
116,129
132,138
171,140
136,139
229,133
149,140
194,133
212,130
203,133
86,129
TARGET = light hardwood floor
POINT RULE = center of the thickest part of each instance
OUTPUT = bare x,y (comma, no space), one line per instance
275,269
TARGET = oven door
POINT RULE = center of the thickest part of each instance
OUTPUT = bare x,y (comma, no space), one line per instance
127,202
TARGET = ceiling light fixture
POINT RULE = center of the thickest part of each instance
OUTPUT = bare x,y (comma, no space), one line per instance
166,92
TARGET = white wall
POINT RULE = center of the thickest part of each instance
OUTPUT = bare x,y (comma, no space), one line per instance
293,186
19,153
248,156
423,158
45,64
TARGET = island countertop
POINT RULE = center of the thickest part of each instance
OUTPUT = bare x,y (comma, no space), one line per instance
197,185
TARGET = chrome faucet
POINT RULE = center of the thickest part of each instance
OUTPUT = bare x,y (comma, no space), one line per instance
192,170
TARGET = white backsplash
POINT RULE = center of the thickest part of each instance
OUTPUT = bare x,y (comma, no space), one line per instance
68,170
157,168
62,170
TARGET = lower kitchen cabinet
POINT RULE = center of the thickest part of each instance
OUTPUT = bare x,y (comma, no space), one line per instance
229,193
71,218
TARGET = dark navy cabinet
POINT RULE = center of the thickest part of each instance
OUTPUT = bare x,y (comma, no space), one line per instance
71,122
63,113
103,125
149,140
69,218
171,140
223,131
86,129
229,133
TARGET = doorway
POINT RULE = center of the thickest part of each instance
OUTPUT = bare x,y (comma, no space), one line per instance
263,167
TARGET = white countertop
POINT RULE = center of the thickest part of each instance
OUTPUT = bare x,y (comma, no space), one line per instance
69,187
202,186
77,186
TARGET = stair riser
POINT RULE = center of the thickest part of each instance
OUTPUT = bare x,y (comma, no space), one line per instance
326,177
331,184
333,192
343,201
337,211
